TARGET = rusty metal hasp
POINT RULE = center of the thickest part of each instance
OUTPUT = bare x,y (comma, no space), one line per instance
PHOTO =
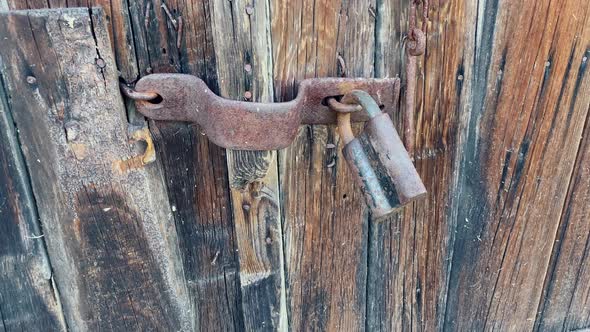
244,125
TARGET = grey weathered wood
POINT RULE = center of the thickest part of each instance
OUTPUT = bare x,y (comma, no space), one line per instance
28,300
120,31
109,232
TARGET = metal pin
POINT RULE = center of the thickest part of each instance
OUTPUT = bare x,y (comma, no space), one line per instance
169,14
179,33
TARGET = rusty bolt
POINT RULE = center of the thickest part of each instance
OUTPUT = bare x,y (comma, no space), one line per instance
101,63
31,79
248,67
249,10
247,95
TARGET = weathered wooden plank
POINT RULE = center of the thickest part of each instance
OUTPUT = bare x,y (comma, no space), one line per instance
120,32
244,69
523,135
410,253
108,231
28,300
195,170
249,170
565,305
324,219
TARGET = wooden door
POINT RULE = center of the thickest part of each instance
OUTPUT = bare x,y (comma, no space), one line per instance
207,239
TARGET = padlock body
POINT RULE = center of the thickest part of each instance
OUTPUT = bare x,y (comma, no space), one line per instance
375,184
383,168
385,148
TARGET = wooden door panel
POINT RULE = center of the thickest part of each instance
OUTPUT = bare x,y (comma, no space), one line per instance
282,240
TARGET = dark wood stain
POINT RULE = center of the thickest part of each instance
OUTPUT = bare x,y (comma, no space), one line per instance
118,275
27,298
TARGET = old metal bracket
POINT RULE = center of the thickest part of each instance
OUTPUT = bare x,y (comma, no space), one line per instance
244,125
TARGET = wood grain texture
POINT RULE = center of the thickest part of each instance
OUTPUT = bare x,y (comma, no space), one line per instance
244,64
109,233
410,253
324,219
566,304
120,32
195,170
28,300
501,242
523,136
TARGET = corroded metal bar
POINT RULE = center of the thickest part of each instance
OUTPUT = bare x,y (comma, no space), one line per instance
255,126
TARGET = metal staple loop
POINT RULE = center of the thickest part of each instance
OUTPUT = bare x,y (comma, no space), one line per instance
415,46
342,107
137,95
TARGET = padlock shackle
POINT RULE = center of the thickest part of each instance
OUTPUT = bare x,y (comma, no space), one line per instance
366,102
344,127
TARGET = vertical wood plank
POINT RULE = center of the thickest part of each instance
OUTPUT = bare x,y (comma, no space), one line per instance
120,32
324,220
523,136
109,232
565,304
28,300
244,65
410,253
195,170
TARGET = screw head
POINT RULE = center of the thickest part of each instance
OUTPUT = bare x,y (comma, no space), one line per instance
247,95
31,79
249,10
248,67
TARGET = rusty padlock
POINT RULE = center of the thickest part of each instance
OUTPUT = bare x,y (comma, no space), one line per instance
378,159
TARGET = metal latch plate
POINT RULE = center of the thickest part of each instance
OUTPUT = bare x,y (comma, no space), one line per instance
256,126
